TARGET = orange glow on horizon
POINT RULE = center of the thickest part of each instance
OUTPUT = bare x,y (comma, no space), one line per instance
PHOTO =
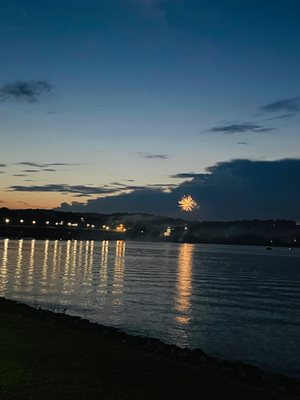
25,200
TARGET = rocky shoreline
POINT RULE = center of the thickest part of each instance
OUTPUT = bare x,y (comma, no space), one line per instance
278,385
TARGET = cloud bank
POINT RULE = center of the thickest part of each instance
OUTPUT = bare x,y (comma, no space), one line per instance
80,190
237,189
41,165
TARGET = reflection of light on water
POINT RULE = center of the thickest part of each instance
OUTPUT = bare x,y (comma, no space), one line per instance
86,258
87,268
19,264
54,264
31,263
80,255
74,260
91,259
71,263
119,267
45,263
58,265
67,267
103,265
3,271
184,284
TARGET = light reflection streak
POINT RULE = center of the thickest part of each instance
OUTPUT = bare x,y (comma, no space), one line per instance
184,283
80,254
87,270
31,263
91,258
45,263
119,268
103,265
3,271
66,269
59,255
86,258
74,260
54,264
19,264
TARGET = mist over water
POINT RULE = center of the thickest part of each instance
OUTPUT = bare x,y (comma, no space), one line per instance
236,302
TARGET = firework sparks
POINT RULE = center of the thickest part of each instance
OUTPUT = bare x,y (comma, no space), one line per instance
187,203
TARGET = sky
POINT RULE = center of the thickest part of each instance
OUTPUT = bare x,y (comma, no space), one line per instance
127,105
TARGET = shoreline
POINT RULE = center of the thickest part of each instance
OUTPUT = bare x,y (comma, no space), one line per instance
241,376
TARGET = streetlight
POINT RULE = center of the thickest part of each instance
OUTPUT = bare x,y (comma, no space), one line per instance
7,220
47,222
33,222
21,221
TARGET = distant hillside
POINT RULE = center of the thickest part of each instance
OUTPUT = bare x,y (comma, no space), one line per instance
55,224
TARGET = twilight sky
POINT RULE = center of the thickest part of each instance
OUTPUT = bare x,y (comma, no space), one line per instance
125,105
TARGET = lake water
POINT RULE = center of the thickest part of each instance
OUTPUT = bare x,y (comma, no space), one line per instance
236,302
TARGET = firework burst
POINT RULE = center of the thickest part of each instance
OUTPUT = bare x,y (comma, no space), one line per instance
187,203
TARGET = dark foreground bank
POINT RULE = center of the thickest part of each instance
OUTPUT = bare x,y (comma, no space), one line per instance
54,356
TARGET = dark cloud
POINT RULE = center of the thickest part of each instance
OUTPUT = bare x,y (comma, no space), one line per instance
184,175
65,189
245,127
2,165
89,190
153,156
49,169
242,143
30,170
42,165
238,189
20,175
2,172
291,105
28,91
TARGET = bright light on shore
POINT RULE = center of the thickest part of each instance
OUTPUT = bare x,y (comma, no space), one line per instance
121,228
21,221
7,220
34,222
